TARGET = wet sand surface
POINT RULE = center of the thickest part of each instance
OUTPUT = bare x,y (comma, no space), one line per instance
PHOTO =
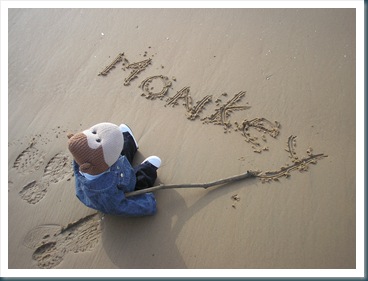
214,93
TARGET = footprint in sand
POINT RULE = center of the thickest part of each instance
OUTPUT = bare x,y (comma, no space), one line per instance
52,242
29,160
57,169
33,192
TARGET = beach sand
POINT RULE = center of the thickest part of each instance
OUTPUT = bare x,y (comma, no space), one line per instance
293,67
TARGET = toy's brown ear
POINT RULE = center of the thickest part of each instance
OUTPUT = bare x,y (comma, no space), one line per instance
85,167
70,135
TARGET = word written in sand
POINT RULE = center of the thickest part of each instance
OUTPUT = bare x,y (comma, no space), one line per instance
219,117
301,164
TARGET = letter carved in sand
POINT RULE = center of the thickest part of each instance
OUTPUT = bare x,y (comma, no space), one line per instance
247,127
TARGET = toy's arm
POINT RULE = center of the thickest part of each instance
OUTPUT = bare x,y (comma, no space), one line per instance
140,205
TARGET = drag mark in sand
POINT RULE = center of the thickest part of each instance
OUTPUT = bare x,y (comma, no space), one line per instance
57,169
52,242
301,164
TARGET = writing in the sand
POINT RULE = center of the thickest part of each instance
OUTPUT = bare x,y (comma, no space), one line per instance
222,112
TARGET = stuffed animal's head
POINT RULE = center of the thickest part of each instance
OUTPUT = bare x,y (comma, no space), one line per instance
96,148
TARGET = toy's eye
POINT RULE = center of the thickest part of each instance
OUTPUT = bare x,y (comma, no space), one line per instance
94,132
98,140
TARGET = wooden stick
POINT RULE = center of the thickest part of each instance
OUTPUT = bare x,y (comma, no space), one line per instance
248,174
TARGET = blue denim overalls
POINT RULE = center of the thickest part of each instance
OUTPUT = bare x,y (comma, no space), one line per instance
106,193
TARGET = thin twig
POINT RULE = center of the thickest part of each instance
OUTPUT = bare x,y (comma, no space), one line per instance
248,174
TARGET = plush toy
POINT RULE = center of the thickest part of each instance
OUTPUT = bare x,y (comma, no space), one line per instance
103,170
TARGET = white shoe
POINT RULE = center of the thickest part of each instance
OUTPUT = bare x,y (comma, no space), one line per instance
124,128
154,160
